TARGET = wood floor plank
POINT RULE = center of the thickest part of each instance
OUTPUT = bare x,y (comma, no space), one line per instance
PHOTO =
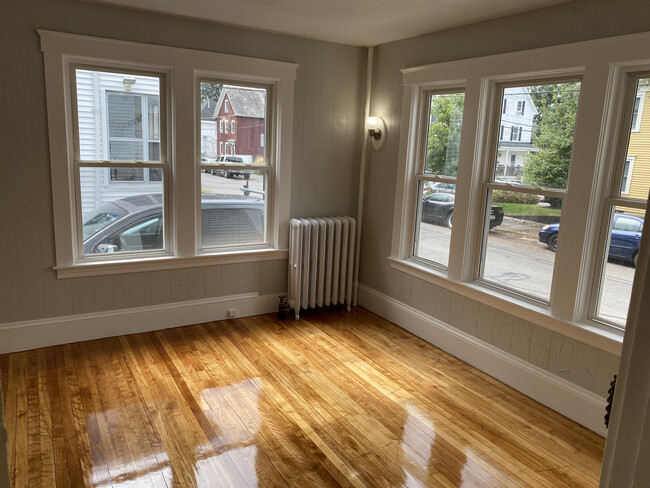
336,399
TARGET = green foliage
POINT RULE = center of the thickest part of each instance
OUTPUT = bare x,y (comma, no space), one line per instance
443,141
528,211
553,136
210,91
499,196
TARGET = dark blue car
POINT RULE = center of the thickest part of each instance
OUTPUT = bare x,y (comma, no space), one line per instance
624,244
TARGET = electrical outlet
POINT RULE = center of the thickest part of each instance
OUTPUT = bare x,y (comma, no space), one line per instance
232,313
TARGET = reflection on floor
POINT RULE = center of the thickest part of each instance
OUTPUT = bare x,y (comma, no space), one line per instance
337,399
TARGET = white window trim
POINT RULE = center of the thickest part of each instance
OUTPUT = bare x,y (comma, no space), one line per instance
184,66
602,65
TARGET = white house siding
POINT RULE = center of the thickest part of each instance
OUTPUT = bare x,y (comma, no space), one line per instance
93,136
509,119
209,147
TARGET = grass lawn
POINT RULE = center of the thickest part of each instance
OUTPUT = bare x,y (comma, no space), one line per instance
528,209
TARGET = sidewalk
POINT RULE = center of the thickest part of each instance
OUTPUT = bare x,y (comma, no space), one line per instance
526,229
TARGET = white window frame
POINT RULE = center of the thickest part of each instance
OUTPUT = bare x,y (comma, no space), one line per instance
232,126
221,126
602,66
184,67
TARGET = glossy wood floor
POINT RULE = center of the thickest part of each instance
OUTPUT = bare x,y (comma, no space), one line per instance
337,399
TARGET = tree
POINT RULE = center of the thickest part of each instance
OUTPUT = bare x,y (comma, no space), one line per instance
443,141
553,136
210,91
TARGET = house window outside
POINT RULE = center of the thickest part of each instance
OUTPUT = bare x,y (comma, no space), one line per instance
636,120
122,130
509,266
501,132
627,175
221,127
232,126
220,147
225,125
133,134
436,178
521,107
625,211
504,107
225,107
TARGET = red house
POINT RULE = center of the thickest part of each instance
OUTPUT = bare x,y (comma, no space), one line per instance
240,121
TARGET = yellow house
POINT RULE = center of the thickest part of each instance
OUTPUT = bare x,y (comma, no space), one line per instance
636,175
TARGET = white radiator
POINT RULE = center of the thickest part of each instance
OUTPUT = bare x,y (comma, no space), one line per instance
321,262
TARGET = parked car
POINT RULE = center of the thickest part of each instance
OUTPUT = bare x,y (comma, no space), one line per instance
233,159
438,208
136,224
624,243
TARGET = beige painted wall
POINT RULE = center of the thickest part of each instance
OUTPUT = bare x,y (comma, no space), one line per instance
570,22
329,93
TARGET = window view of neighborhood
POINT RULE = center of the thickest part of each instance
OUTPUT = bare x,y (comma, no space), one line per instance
120,119
233,164
525,192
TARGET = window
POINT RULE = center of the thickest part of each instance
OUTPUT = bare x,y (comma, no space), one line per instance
506,260
225,107
513,159
521,107
638,109
221,127
624,218
130,123
436,179
122,174
541,236
226,127
232,126
626,181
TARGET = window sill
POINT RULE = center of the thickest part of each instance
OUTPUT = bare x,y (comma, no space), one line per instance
100,268
588,332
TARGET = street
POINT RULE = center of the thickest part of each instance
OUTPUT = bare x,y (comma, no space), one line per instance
232,186
525,265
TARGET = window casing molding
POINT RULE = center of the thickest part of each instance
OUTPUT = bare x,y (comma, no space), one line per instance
181,69
602,67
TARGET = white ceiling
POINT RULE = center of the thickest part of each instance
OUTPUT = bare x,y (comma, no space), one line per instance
356,22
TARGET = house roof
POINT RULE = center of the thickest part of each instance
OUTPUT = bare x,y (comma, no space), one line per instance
245,102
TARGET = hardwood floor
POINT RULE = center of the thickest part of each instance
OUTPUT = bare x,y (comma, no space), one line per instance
337,399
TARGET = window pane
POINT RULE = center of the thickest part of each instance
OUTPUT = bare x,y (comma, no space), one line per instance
623,240
519,251
536,134
118,114
120,219
233,209
636,183
435,217
443,134
224,107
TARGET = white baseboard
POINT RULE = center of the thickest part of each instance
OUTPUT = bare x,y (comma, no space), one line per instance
569,399
22,336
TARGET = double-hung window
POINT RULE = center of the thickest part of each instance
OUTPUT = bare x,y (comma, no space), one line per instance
137,189
436,178
547,194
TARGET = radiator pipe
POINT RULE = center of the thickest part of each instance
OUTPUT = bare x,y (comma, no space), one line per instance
362,174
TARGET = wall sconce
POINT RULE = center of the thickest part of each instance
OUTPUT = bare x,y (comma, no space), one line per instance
376,131
128,83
